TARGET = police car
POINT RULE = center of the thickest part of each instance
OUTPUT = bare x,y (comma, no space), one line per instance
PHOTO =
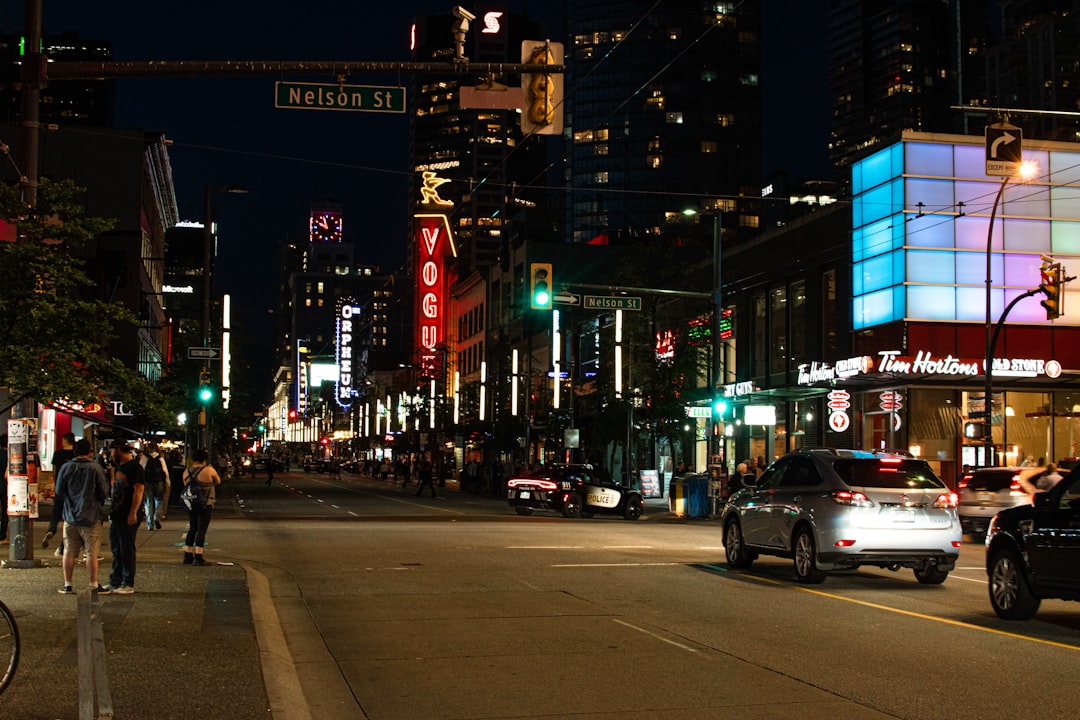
573,490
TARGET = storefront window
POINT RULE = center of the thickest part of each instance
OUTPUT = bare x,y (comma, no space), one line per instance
780,349
757,319
798,322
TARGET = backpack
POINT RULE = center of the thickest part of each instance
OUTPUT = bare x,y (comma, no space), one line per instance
154,474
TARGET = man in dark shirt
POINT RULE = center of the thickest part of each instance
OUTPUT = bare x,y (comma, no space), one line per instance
61,456
127,498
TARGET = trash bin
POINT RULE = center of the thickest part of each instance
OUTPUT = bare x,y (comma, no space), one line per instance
688,495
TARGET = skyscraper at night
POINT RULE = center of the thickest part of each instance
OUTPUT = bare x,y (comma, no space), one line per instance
664,110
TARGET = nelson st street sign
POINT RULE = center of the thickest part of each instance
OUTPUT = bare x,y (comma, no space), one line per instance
331,96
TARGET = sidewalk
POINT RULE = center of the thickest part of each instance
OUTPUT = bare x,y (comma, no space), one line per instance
182,646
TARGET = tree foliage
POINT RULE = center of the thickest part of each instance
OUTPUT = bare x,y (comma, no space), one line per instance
53,333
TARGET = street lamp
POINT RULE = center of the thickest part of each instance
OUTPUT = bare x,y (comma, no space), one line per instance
716,379
1026,171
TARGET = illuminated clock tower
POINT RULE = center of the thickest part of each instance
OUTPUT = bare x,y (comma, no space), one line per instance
325,224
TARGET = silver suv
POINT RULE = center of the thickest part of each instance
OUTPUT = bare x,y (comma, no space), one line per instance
840,509
986,491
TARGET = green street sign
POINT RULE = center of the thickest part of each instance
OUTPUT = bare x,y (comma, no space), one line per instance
330,96
611,302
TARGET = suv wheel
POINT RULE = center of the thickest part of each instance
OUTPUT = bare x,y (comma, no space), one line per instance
805,556
734,548
572,505
929,574
1009,592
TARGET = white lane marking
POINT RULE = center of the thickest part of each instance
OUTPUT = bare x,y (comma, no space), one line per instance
977,567
974,580
627,547
711,547
336,507
596,565
322,501
658,637
353,514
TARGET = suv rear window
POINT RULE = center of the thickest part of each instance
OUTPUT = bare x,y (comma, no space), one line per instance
991,480
871,472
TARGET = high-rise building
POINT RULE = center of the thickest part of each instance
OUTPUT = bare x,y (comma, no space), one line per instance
663,106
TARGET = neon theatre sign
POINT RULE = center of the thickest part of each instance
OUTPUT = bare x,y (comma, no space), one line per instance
345,391
434,244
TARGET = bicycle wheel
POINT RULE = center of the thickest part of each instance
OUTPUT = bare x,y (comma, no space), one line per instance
9,646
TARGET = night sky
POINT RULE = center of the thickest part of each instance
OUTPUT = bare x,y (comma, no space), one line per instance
226,131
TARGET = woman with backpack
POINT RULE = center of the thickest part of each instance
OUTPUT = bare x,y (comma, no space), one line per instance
203,479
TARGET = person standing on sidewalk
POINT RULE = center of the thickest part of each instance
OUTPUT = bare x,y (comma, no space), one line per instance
61,456
81,490
128,488
206,478
156,473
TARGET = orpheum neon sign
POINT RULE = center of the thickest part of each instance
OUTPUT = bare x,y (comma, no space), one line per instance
434,244
346,334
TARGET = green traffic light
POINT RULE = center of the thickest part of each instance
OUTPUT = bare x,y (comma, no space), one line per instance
206,394
720,407
542,297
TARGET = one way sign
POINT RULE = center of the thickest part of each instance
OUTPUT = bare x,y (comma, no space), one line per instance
1003,149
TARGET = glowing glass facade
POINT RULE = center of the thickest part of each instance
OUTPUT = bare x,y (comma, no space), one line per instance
920,214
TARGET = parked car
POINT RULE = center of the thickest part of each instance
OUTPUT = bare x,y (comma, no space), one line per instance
986,491
1032,551
573,490
841,509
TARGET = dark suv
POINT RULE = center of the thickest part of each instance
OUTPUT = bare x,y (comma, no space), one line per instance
573,490
1032,551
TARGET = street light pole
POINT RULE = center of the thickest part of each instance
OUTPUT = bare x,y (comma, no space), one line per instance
717,379
988,427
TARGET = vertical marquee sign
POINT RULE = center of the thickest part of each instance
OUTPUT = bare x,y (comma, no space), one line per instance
434,243
346,391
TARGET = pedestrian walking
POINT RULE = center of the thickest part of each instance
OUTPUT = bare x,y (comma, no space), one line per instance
81,490
206,478
127,496
424,478
156,495
269,472
61,456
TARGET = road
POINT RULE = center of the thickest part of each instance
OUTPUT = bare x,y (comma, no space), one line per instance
393,606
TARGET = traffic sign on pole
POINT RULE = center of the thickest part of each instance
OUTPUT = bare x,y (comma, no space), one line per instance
565,298
331,96
1004,143
203,353
612,302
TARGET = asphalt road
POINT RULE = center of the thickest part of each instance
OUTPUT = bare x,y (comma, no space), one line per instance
391,606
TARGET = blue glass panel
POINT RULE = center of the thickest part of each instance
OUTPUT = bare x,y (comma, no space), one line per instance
971,268
971,233
936,196
857,278
877,203
1064,168
931,231
1065,203
928,159
1027,235
931,267
871,171
978,197
931,303
1021,271
1027,310
875,274
969,161
899,267
1065,237
1025,200
971,305
873,309
899,309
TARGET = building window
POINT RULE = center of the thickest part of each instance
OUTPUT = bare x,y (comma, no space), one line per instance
320,288
828,314
798,322
778,315
674,118
758,350
708,146
600,177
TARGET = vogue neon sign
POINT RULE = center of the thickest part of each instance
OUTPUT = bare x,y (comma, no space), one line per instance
434,243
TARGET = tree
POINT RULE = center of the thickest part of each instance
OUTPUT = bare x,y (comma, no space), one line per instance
52,335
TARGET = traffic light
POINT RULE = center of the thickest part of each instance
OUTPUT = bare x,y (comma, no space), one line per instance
1050,285
540,286
543,111
720,408
206,390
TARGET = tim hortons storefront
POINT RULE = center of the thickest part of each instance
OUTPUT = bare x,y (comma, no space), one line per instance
932,405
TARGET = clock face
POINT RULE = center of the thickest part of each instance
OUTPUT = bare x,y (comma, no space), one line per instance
326,227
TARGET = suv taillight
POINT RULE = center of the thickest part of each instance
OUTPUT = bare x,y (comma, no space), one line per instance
530,482
947,500
855,499
963,482
1015,488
